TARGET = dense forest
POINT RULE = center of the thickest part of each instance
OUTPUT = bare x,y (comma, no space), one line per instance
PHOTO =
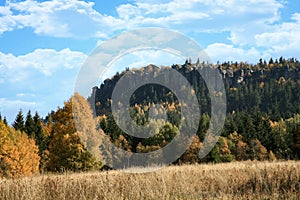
262,120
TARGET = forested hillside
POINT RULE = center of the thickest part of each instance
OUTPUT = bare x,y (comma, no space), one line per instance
263,107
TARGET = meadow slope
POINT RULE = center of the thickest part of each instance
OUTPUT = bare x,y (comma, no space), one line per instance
236,180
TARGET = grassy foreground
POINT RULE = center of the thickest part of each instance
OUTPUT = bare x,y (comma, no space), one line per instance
239,180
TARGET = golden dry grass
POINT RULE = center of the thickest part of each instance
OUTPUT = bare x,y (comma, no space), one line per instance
238,180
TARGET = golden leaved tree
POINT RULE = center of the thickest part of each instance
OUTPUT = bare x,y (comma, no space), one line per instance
18,154
86,125
69,143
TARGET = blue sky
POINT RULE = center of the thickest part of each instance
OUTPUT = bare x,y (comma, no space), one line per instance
43,44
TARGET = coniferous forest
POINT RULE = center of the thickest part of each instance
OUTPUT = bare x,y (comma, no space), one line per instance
262,121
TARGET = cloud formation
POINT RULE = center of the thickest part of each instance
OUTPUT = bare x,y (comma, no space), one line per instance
45,76
283,39
250,23
44,62
67,18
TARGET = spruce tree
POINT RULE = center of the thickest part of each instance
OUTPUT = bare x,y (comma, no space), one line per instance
40,137
19,122
29,125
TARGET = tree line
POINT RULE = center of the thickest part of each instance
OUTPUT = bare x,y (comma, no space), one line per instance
34,145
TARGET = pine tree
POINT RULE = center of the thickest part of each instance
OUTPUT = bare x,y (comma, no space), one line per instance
19,122
40,137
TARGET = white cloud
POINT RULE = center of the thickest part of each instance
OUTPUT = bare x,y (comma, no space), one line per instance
243,19
40,80
230,9
248,22
6,21
224,52
68,18
282,39
251,23
71,18
44,61
127,11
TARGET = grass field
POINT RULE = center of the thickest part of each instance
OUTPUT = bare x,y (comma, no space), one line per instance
237,180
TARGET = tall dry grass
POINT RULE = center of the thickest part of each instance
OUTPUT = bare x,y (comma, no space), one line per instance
239,180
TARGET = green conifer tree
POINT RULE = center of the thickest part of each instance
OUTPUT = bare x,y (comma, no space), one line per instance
19,122
29,125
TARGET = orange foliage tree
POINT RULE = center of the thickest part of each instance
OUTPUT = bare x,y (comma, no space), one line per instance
67,145
18,154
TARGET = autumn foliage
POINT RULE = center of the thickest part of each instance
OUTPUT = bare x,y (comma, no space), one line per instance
18,154
67,149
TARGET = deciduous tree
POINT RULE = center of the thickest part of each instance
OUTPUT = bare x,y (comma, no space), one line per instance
66,148
18,153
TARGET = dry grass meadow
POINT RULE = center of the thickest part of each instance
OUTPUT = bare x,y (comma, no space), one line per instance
237,180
